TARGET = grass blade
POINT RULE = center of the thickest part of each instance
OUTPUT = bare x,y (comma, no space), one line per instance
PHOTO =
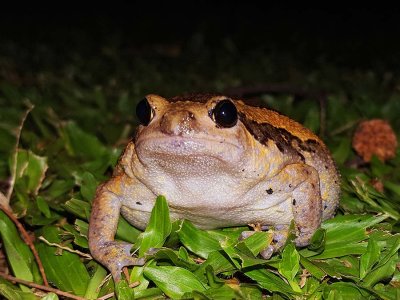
158,229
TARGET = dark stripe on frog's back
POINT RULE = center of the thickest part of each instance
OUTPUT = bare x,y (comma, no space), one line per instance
286,142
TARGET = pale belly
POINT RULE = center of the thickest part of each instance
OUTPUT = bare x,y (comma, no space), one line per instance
208,217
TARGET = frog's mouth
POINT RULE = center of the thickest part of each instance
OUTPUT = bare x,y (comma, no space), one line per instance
181,148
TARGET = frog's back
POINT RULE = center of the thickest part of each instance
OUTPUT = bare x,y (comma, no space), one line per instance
292,137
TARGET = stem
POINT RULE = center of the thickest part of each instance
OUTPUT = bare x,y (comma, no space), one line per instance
40,287
27,239
14,165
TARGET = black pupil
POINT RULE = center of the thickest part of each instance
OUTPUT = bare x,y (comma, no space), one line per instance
143,112
225,114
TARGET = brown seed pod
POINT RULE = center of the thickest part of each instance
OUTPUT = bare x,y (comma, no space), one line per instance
375,137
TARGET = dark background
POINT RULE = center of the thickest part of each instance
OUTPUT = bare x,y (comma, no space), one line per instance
361,37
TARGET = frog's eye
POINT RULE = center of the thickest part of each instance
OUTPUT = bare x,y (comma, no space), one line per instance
144,112
225,114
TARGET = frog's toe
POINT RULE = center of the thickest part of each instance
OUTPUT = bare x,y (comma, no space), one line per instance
267,252
115,256
122,262
245,234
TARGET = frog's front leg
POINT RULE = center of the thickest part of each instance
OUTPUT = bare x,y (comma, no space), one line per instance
301,183
306,202
102,227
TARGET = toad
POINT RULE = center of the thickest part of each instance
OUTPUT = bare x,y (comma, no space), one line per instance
219,163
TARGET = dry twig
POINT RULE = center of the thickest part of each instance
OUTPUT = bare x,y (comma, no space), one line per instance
40,287
27,239
14,165
80,253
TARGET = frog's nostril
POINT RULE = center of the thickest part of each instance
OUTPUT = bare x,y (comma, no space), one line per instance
180,122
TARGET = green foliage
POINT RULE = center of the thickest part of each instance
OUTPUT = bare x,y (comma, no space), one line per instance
10,291
83,117
173,281
158,229
18,253
64,269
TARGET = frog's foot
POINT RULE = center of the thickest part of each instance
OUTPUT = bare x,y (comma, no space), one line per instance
115,256
280,234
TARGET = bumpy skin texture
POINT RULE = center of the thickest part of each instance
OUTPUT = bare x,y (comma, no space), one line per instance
267,170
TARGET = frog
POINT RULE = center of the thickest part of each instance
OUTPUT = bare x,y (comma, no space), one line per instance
220,163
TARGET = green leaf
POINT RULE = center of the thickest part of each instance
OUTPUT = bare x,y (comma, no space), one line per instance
150,294
126,231
173,281
43,207
317,243
50,296
217,293
392,251
173,239
165,254
123,291
79,240
289,265
377,201
313,269
343,151
81,143
95,281
345,290
212,279
349,228
30,173
242,257
88,184
19,255
394,187
78,207
219,261
11,292
137,275
59,188
344,234
369,258
249,292
257,242
381,272
82,227
158,229
312,288
227,236
387,291
183,254
198,241
269,281
74,276
230,291
338,268
339,249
